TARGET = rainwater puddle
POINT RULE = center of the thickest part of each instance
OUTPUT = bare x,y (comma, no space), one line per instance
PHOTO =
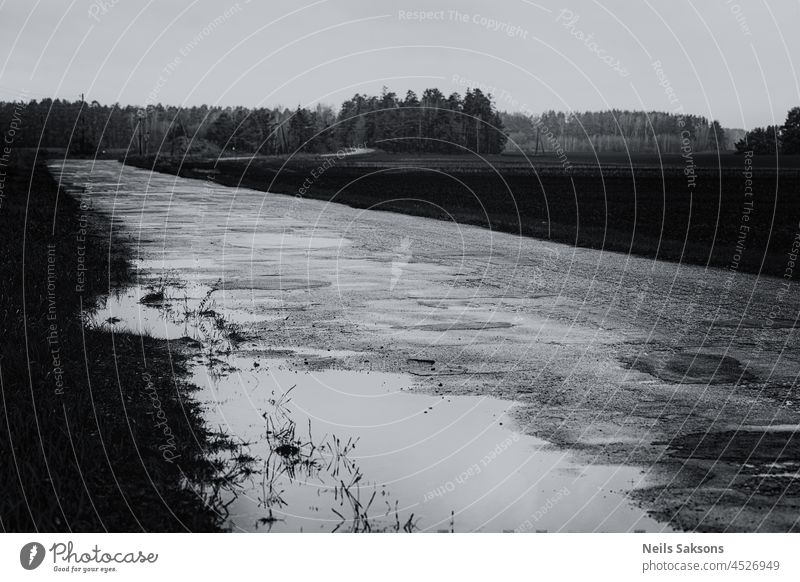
358,450
332,448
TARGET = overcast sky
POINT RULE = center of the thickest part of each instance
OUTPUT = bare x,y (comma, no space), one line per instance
729,60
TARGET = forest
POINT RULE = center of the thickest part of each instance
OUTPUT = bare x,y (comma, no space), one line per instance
613,131
774,139
431,122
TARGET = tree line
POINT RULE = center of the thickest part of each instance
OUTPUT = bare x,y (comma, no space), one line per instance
772,139
91,128
430,122
613,131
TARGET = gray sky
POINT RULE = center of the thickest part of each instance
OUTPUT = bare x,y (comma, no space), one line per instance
730,60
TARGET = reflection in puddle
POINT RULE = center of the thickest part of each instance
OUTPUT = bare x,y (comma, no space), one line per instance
341,450
127,312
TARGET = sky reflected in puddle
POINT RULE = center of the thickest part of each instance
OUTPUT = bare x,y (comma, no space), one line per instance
422,461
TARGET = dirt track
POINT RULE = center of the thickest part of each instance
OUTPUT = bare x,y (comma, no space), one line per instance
624,359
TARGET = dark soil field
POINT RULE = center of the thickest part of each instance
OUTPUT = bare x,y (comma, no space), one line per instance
81,449
698,210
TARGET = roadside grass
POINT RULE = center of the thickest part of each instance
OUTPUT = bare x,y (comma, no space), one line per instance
98,430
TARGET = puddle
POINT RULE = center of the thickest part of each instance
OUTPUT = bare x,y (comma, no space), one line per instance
750,323
274,283
692,368
459,326
364,442
451,462
772,428
331,448
124,312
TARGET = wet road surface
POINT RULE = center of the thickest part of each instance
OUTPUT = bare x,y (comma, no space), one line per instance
599,365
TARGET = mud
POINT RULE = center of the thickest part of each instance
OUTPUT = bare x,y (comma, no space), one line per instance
608,356
749,480
692,368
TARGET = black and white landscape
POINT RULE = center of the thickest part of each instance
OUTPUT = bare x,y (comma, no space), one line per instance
369,267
